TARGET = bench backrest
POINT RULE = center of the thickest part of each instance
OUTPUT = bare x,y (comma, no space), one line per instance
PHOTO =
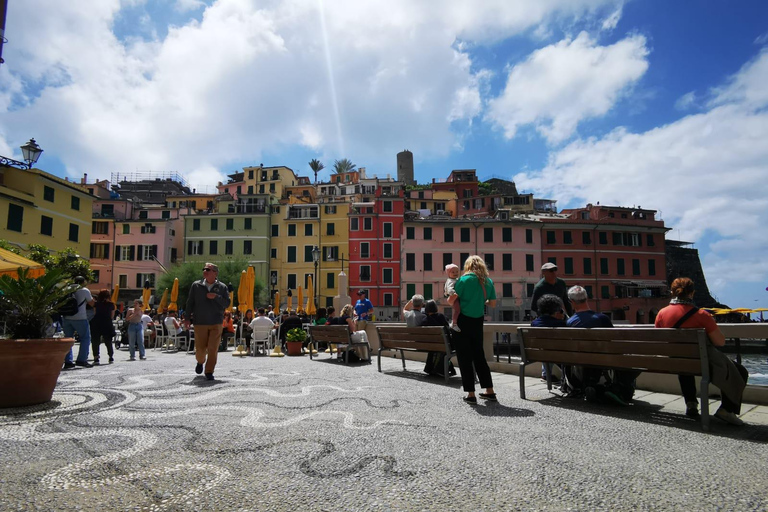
423,339
330,333
677,351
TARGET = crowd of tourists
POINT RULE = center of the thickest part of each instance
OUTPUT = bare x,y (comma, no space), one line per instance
468,291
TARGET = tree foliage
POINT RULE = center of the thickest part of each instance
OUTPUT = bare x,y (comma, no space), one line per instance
343,165
68,261
189,272
5,244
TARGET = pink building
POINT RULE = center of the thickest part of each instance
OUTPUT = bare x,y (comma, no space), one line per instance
510,246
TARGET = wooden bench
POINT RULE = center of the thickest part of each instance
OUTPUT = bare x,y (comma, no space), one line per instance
338,335
415,339
675,351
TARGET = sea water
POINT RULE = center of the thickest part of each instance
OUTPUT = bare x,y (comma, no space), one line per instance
757,366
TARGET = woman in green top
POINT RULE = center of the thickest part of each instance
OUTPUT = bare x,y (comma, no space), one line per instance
474,290
320,317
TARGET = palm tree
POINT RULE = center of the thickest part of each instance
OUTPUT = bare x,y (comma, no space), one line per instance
317,166
343,165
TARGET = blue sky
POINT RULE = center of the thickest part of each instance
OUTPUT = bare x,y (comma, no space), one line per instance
652,103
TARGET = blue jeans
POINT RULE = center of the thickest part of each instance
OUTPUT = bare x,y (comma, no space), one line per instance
83,330
136,335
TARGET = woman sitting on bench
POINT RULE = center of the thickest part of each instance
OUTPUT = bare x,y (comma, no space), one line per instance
730,377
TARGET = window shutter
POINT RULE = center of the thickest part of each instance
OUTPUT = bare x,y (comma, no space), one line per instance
132,253
154,251
140,252
189,246
106,252
139,284
117,252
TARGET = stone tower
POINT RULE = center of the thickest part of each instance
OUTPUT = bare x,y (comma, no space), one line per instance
405,167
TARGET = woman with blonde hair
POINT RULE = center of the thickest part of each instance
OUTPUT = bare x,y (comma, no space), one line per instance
474,290
355,335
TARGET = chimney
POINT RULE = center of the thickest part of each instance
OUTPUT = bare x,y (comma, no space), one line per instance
85,178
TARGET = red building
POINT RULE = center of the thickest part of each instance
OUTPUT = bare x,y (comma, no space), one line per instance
374,248
615,253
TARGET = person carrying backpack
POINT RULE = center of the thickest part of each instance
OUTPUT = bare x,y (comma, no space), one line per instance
77,321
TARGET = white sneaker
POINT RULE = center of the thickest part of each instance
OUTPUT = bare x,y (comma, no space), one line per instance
729,417
455,327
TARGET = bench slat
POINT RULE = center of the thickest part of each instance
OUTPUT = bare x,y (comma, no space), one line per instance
413,345
615,334
409,330
647,363
685,350
425,337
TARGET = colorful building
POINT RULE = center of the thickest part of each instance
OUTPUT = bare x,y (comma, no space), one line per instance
616,253
510,246
40,208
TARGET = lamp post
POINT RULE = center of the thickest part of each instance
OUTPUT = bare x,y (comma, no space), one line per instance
315,260
273,282
30,152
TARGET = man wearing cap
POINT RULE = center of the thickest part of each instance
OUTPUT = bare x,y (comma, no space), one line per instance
550,284
363,309
208,298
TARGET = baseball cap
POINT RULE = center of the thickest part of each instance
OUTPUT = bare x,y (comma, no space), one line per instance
549,266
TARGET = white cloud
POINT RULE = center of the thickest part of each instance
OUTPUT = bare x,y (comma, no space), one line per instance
611,21
188,5
245,78
762,39
563,84
705,172
686,101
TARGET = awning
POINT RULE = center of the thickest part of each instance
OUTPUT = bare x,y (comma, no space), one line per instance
10,263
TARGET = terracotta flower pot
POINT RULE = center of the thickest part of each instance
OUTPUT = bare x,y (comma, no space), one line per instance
30,369
294,348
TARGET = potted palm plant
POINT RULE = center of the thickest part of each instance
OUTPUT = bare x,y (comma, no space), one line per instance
30,358
295,339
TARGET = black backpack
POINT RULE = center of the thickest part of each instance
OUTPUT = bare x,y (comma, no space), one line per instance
70,307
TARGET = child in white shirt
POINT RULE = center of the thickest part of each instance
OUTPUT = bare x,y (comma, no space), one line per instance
453,275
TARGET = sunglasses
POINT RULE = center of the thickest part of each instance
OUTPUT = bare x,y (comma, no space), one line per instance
208,270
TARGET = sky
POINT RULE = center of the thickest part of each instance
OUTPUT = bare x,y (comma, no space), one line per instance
646,103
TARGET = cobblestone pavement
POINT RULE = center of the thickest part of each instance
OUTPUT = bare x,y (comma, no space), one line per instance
293,434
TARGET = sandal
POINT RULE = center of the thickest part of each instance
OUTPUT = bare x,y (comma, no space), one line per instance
491,397
471,400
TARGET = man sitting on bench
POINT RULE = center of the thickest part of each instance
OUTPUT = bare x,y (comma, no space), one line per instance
621,388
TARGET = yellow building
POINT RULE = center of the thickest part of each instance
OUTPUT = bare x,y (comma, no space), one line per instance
40,208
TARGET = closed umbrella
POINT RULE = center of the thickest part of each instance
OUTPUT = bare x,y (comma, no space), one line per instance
174,296
311,310
276,309
115,293
300,299
163,302
146,294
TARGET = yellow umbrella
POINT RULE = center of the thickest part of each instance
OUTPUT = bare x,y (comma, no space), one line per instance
310,309
115,293
174,296
276,308
251,283
145,295
163,302
231,301
299,305
10,263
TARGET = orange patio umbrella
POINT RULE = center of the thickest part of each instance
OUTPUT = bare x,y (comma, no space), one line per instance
250,283
115,293
241,290
174,296
11,262
310,309
163,302
145,295
300,299
276,308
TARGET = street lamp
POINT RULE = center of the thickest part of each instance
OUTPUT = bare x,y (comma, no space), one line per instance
30,151
315,260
